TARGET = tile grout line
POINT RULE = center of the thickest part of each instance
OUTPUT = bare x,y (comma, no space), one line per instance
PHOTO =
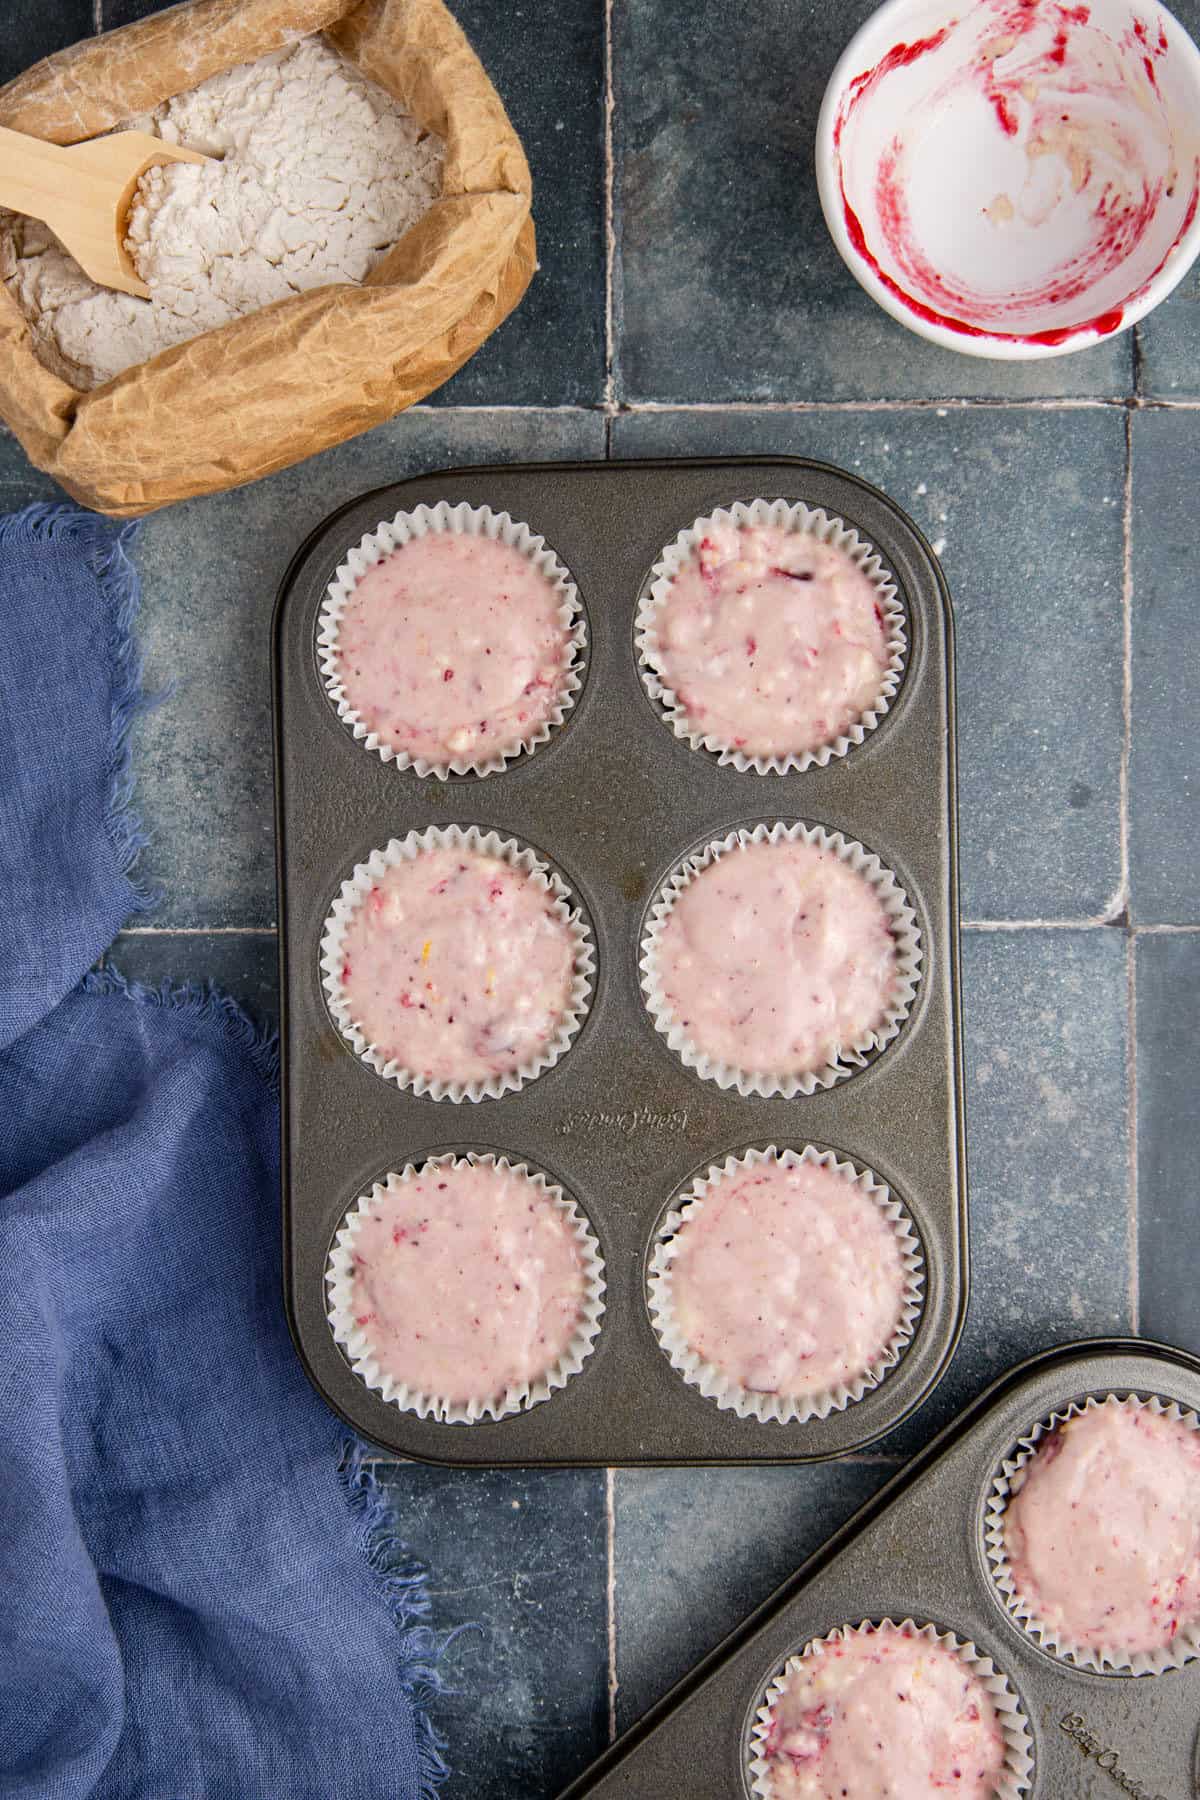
603,405
638,407
199,931
610,234
1131,1126
1102,922
610,1589
1126,661
943,407
1133,1249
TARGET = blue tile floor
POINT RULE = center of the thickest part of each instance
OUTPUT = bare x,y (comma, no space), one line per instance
689,302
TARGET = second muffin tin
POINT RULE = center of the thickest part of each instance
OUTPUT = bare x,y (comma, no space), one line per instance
613,802
918,1550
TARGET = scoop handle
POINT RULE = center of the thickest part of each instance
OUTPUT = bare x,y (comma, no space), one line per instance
33,175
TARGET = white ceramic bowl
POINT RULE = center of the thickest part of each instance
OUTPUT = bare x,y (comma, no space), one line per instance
1015,178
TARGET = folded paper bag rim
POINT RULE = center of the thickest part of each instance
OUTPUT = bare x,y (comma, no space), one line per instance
275,386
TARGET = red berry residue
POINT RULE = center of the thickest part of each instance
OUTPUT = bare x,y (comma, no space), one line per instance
1028,95
1003,108
900,56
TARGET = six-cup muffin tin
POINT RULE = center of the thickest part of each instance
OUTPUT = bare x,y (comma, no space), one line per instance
918,1550
613,802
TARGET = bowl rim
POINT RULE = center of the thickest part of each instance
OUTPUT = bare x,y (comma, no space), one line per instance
996,347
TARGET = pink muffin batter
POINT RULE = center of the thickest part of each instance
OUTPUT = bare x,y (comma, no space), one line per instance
452,648
789,1280
775,957
884,1715
1103,1536
467,1281
458,966
772,642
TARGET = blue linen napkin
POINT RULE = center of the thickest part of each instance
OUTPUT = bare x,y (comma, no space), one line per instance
188,1608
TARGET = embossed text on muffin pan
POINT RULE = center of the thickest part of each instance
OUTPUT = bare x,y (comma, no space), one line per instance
619,1121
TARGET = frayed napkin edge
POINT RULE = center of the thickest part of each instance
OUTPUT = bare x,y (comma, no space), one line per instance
105,548
399,1575
402,1580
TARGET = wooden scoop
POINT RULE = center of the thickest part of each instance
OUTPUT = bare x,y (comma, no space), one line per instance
83,193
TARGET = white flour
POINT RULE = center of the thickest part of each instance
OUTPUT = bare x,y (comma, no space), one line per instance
322,172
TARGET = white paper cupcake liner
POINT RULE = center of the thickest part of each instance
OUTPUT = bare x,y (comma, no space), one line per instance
849,1057
474,521
487,843
353,1342
1114,1660
714,1383
795,516
1017,1774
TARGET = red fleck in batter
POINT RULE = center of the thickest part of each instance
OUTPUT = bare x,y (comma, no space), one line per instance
775,956
789,1280
458,966
772,641
452,648
467,1281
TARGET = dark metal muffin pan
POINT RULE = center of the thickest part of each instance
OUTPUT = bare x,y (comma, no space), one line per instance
614,800
917,1550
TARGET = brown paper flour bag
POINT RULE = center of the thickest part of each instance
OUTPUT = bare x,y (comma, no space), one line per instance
269,389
